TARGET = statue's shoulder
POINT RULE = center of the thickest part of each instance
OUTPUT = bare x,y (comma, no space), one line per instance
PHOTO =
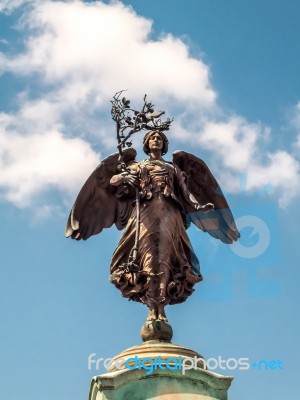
171,166
144,163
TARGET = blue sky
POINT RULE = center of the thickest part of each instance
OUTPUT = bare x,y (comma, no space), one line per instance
228,72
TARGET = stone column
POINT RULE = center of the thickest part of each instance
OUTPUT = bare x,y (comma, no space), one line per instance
135,383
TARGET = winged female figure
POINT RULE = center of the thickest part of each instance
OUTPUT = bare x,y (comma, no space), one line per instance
155,201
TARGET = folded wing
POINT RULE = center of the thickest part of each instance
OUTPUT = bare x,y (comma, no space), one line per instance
98,204
219,222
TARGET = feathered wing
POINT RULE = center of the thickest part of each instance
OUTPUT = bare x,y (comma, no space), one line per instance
97,205
219,222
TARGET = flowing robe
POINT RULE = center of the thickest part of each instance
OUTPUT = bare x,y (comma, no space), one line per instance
168,265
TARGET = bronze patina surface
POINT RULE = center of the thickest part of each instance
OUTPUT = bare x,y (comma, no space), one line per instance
155,200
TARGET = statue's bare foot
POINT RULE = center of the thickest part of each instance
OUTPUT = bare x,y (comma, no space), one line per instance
162,315
152,315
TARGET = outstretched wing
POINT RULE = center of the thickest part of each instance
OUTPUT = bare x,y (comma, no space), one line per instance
97,205
219,222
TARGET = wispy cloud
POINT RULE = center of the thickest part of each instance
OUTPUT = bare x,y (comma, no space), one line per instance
239,147
295,122
7,6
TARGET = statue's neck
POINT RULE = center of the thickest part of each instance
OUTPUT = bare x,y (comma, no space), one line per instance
155,155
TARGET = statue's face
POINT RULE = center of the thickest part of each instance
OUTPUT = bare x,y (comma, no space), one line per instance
155,142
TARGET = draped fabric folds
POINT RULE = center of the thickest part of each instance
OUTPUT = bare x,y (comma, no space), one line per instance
168,266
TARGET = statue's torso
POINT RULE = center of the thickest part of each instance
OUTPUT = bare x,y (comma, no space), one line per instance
156,177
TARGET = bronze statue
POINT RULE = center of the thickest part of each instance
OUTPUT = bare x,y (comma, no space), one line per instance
155,201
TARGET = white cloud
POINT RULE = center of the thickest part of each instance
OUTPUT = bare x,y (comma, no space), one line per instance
31,164
281,171
239,147
97,48
225,138
79,54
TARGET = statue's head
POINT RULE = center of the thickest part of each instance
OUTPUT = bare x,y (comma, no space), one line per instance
148,136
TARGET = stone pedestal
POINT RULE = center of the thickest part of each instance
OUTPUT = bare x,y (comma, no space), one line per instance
135,383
